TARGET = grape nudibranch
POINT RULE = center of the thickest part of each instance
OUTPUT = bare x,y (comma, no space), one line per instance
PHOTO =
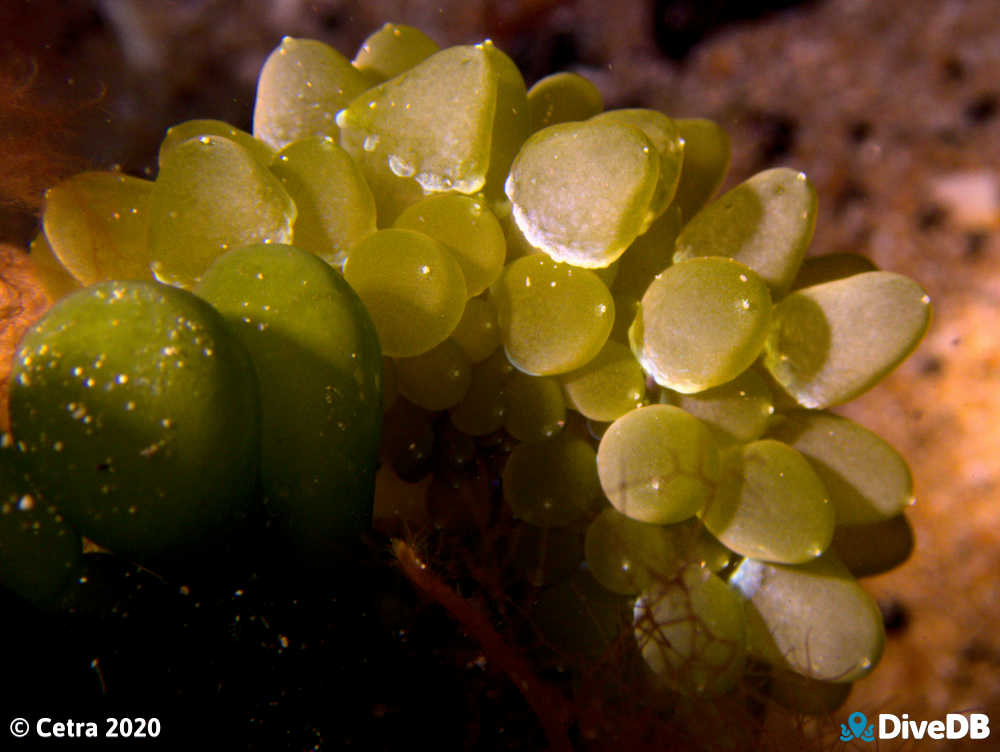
576,347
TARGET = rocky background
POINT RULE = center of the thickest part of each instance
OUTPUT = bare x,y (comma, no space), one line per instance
889,106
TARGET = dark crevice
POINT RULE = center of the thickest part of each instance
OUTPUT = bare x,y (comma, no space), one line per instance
859,131
851,194
931,366
679,25
563,51
895,617
930,217
982,109
953,69
775,134
975,245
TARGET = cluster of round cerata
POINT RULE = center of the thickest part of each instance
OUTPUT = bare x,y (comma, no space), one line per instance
540,274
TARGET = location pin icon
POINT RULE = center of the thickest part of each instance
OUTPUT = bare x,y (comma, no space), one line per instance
857,722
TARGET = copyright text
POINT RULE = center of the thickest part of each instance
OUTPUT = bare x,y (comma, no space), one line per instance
109,728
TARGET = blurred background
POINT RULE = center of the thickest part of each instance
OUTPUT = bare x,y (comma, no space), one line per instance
891,107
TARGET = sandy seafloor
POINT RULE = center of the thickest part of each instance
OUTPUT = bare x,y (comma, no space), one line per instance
889,106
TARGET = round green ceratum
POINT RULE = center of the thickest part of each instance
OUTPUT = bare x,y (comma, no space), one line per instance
813,618
770,505
691,632
137,412
830,342
658,464
766,222
701,323
581,192
319,367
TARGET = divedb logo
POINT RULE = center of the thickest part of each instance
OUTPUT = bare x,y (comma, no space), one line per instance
954,726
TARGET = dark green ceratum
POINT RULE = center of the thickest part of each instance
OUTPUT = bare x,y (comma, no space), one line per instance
136,411
319,373
416,263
